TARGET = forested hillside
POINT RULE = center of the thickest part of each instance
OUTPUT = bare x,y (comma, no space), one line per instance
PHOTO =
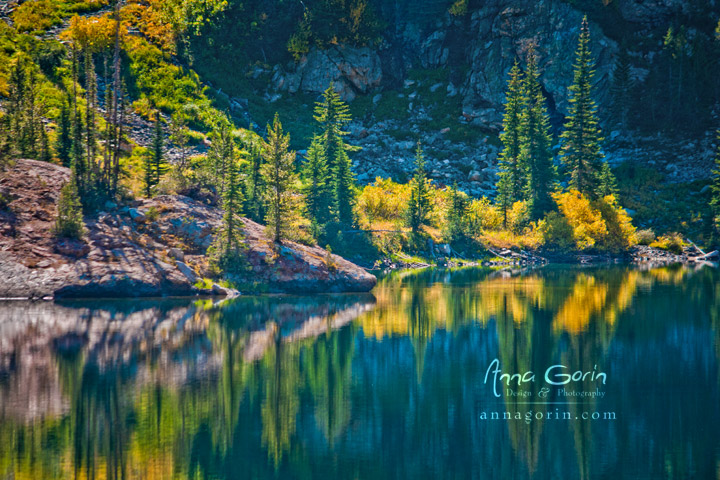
377,127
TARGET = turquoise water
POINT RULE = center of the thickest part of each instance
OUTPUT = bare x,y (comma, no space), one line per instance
398,383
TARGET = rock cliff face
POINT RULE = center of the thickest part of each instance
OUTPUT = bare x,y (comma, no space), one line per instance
486,43
140,251
353,70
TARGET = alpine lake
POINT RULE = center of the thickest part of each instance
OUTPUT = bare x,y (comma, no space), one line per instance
557,372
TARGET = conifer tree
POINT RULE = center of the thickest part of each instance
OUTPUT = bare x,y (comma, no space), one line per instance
44,153
5,143
154,163
63,143
608,183
69,222
419,207
159,165
344,188
621,90
715,187
221,151
17,84
318,194
30,138
333,115
511,182
279,176
226,250
78,155
582,136
457,215
255,186
536,144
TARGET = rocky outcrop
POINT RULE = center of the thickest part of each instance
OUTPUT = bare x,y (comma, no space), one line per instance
651,11
132,252
502,31
353,70
187,225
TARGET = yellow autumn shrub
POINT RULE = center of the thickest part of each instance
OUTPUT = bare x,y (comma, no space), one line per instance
382,201
483,216
601,225
35,15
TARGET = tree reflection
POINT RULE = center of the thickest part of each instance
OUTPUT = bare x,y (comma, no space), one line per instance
370,387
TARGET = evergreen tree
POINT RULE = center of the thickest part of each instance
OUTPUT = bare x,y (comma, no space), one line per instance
24,135
333,115
255,186
511,182
536,144
317,183
278,173
5,143
582,136
148,175
159,165
608,183
69,222
17,84
457,215
226,251
154,163
30,137
44,154
419,207
78,155
221,152
179,136
63,143
621,90
715,187
344,189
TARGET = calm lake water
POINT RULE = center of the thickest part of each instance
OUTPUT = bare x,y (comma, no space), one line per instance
391,384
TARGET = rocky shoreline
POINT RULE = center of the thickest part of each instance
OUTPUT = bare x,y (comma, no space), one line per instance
149,248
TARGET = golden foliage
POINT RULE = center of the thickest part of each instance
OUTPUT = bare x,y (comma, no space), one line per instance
482,215
382,201
587,223
93,34
35,15
600,225
148,18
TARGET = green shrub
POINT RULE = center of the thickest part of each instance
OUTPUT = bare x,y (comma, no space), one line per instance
645,236
672,242
69,223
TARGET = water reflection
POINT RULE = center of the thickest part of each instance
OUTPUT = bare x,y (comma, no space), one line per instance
381,385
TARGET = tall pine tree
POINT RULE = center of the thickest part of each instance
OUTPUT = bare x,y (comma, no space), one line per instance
536,144
63,143
511,182
581,151
159,164
621,90
254,184
227,249
155,164
318,192
333,115
279,176
419,207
